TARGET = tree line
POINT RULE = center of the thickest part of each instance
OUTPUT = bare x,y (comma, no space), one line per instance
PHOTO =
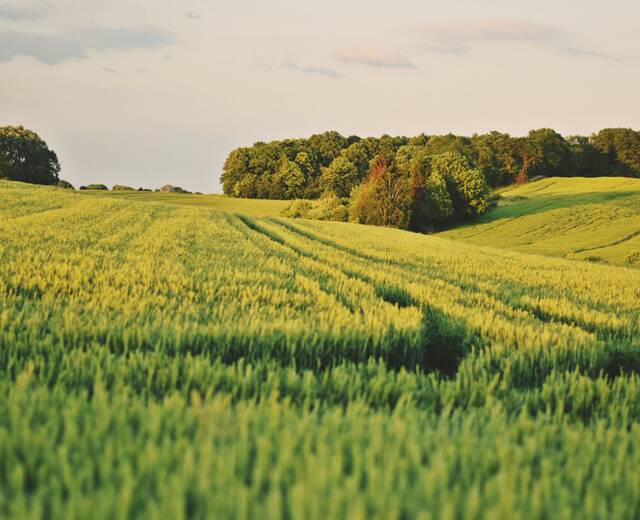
421,182
330,162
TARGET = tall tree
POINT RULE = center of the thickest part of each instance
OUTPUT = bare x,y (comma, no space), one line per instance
339,177
26,157
621,148
384,199
553,156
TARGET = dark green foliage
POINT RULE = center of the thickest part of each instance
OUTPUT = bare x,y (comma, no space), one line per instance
169,188
332,163
25,157
621,150
99,187
120,187
64,184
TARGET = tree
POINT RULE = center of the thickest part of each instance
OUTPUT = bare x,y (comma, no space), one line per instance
524,154
339,177
292,179
26,157
465,182
621,149
384,199
438,144
588,161
553,156
492,155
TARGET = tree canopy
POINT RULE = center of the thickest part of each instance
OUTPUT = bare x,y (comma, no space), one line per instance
329,163
25,157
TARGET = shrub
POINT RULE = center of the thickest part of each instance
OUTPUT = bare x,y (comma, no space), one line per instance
97,187
120,187
65,185
327,208
173,189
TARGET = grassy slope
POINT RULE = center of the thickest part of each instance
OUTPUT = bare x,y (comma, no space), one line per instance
575,218
252,207
167,361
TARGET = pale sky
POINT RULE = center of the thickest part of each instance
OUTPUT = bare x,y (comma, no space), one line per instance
150,92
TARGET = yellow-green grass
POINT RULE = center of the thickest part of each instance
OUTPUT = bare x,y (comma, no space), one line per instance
596,219
165,361
252,207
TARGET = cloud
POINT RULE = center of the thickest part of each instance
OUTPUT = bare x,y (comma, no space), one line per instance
581,52
460,38
373,58
192,15
57,48
17,15
109,69
319,71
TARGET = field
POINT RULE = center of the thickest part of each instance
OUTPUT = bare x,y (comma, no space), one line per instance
159,360
588,219
252,207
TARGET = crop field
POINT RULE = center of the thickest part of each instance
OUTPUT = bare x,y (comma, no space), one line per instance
252,207
588,219
167,361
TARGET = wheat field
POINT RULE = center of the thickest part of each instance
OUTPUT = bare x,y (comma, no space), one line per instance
159,360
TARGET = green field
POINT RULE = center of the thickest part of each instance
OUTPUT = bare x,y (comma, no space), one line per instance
252,207
166,361
595,219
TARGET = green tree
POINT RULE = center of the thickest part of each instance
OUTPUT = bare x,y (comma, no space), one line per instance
384,199
26,157
588,160
292,178
553,154
621,148
465,182
438,144
339,177
492,154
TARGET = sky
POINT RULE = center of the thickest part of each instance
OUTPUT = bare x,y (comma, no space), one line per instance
154,92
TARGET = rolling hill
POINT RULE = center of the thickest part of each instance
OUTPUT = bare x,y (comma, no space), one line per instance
172,360
588,219
253,207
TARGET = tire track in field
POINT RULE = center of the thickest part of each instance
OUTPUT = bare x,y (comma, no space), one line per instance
535,314
252,226
444,339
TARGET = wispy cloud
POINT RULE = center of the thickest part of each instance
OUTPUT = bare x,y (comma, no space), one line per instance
373,58
461,38
318,71
57,48
192,15
581,52
13,14
464,38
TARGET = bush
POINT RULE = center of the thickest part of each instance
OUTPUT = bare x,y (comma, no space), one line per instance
65,185
95,187
173,189
120,187
327,208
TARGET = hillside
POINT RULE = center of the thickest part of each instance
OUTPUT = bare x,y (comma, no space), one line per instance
254,207
168,360
596,219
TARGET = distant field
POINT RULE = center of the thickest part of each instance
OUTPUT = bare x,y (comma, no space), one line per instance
253,207
596,219
170,361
